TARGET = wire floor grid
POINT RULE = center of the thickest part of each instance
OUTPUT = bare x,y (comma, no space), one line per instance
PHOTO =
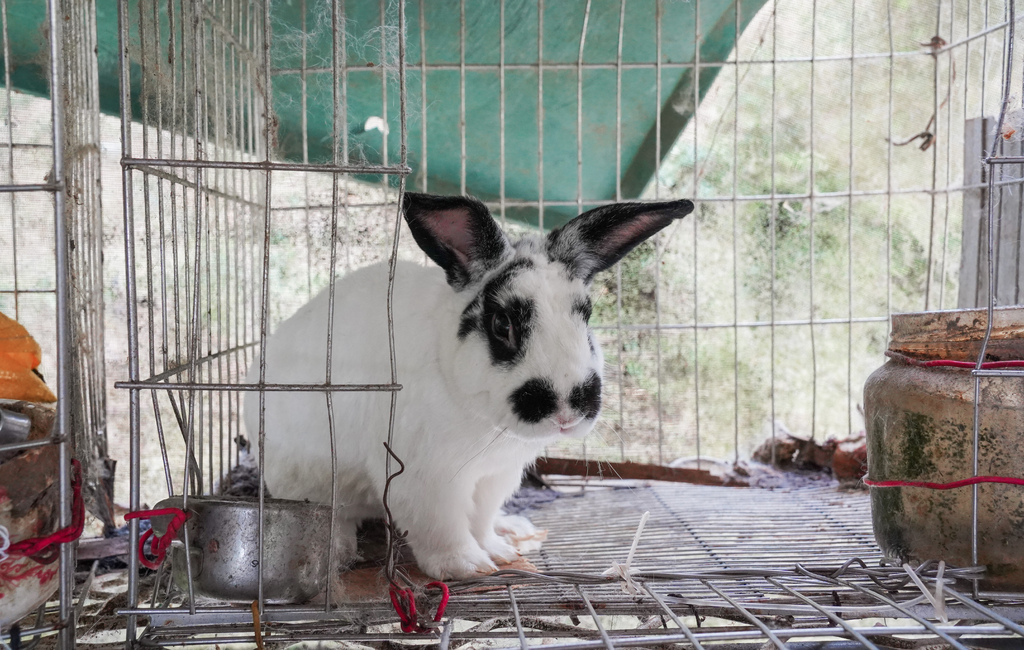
731,566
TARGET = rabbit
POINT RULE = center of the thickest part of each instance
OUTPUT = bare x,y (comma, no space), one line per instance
495,358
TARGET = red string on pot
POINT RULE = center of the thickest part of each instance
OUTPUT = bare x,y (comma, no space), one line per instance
949,363
946,486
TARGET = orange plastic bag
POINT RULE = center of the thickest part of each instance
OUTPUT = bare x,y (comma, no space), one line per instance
19,356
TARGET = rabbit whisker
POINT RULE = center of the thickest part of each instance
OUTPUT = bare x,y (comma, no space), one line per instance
603,426
493,440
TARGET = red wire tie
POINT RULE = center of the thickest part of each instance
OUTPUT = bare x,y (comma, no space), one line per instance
938,363
160,543
404,602
946,486
444,599
46,550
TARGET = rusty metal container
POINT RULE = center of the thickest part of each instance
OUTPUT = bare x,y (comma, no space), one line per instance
29,507
919,424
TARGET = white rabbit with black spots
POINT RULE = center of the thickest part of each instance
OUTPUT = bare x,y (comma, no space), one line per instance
495,358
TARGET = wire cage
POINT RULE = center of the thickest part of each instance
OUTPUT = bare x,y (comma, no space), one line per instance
51,282
265,150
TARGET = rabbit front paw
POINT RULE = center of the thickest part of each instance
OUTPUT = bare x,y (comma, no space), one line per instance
499,549
465,562
514,526
520,533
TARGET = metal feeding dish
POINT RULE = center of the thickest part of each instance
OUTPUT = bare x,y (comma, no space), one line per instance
224,547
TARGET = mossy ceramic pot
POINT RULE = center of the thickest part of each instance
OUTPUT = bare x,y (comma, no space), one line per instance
920,428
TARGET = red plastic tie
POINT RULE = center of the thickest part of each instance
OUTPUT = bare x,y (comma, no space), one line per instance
404,602
946,486
46,550
160,543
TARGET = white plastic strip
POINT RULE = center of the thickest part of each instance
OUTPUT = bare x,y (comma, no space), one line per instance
622,569
937,599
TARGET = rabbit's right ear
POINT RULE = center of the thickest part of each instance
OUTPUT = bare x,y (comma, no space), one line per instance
457,232
598,238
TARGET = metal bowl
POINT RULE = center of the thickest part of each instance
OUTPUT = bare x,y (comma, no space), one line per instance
224,539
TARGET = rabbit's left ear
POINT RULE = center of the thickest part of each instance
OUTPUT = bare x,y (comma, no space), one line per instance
595,240
457,232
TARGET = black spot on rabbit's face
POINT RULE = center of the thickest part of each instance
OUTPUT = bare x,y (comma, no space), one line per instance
503,317
508,328
470,319
585,397
534,401
583,308
503,280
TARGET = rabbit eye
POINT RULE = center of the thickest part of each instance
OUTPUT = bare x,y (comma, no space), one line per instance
502,328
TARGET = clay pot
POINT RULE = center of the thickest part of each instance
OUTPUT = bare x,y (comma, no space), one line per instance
920,428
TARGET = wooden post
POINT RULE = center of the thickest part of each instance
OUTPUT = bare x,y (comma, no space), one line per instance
1009,209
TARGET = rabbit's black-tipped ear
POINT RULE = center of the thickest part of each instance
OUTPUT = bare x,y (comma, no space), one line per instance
597,239
457,232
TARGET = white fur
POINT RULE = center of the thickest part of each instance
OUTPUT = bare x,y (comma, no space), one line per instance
464,449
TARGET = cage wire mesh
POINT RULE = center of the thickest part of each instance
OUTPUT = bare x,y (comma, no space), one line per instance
825,151
29,278
84,224
50,271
